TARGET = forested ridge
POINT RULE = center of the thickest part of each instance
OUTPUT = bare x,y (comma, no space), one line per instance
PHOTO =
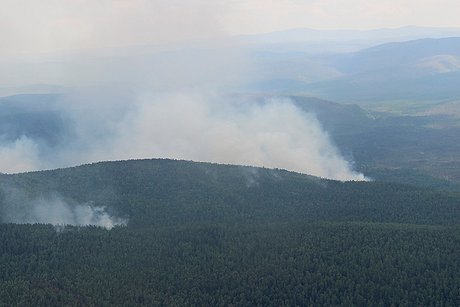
220,235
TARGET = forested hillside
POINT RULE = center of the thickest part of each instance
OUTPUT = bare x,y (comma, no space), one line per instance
215,235
416,150
168,192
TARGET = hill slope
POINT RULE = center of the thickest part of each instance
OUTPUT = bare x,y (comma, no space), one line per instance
169,192
206,234
424,144
425,70
398,54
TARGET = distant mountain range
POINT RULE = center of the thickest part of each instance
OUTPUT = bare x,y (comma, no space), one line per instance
425,71
283,61
313,40
443,54
390,34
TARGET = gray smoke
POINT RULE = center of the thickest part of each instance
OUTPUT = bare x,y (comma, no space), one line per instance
18,208
191,126
274,134
169,101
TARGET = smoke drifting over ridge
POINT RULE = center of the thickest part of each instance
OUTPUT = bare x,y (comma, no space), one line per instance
172,102
272,134
197,127
184,112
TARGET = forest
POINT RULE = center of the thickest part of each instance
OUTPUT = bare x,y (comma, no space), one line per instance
221,235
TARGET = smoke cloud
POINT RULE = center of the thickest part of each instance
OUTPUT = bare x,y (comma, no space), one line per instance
19,155
18,208
178,105
273,134
168,101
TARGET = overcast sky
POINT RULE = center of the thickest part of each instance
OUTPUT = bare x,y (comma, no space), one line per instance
30,26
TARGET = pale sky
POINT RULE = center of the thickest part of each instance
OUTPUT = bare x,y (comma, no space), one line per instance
31,26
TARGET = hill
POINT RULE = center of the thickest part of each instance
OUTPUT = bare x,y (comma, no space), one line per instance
406,76
34,116
207,234
397,55
420,149
169,192
314,40
423,71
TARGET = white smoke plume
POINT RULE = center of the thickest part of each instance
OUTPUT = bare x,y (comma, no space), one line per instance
170,101
198,127
274,134
19,155
18,208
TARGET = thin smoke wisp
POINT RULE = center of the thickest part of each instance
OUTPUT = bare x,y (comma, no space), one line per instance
17,208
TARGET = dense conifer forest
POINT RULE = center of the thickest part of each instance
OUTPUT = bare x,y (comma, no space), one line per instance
201,234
